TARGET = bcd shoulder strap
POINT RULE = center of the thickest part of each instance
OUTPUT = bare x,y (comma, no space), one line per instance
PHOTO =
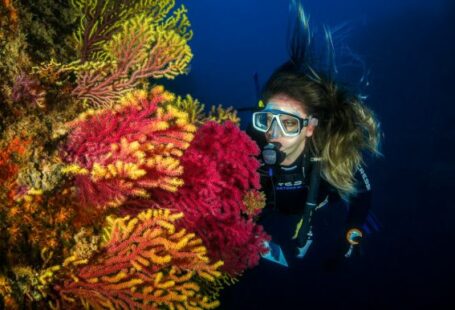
303,230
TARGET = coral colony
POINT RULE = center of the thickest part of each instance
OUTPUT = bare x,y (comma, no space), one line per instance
114,192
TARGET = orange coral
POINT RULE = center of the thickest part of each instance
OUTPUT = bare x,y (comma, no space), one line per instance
9,157
254,202
40,221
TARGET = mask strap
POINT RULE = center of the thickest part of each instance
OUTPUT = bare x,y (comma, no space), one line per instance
313,121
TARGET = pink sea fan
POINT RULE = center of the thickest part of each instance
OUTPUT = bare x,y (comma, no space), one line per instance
123,152
219,170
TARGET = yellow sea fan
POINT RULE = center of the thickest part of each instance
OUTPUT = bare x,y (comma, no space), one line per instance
135,48
192,107
108,17
221,115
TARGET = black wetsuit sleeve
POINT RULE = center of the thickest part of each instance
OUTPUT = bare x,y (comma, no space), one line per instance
359,204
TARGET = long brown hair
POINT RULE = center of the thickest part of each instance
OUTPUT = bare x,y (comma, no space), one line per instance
346,126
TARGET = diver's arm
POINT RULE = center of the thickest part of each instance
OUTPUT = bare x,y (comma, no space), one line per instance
359,206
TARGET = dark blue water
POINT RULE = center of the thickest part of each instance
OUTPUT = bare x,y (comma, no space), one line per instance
408,47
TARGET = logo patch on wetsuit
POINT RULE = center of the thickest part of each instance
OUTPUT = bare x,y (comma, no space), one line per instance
289,179
291,185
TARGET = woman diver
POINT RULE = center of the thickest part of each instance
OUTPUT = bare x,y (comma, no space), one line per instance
314,134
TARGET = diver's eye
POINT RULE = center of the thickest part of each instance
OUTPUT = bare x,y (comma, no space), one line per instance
290,123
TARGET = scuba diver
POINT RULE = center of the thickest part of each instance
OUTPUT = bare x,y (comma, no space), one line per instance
314,134
311,158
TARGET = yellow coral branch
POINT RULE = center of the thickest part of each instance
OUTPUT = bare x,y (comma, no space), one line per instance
161,273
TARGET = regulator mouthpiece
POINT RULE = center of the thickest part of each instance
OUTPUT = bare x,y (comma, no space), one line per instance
272,154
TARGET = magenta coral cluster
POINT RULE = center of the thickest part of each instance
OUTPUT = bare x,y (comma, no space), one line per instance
219,169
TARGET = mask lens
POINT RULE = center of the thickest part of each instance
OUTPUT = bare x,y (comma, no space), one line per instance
290,124
262,120
269,120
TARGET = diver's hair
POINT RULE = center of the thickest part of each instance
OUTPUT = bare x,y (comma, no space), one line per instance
346,126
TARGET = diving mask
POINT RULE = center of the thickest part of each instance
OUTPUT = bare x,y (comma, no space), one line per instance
290,124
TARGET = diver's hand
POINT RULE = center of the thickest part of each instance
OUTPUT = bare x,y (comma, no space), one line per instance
347,249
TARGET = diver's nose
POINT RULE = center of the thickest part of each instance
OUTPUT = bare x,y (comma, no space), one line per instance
274,130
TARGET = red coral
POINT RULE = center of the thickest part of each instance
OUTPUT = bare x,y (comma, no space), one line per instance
220,168
123,152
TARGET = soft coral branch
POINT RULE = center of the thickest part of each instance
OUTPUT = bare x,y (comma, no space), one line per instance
146,262
219,172
139,49
101,19
121,153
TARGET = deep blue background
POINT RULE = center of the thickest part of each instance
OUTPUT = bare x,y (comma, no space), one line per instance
408,46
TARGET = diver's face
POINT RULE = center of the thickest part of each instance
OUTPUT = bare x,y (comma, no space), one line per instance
291,146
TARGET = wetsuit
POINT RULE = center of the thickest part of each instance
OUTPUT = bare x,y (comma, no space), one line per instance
272,286
286,189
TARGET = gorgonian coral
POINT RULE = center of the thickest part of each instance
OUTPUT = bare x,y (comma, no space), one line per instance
220,115
120,51
220,169
193,107
146,262
123,152
100,20
195,110
64,168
